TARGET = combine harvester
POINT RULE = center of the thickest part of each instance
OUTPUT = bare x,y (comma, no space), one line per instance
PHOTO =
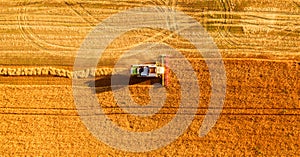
159,69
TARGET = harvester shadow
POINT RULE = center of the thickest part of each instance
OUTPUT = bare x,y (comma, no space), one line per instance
103,84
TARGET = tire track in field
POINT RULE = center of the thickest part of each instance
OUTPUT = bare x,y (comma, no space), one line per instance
82,13
230,37
27,33
286,25
231,20
233,40
248,20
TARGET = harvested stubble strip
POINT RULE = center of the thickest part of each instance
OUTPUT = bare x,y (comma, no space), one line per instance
29,72
34,71
23,71
81,74
56,72
105,71
63,73
92,72
38,71
18,71
3,71
45,70
11,72
52,71
98,72
69,74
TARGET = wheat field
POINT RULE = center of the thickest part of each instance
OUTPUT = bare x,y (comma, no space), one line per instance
258,40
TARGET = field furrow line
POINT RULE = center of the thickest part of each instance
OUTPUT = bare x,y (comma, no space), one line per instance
201,111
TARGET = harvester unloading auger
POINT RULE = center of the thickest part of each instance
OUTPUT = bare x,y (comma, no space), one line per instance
159,69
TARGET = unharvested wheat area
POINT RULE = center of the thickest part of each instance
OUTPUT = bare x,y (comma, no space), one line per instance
258,40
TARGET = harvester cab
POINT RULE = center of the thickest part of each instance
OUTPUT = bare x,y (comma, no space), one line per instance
159,69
